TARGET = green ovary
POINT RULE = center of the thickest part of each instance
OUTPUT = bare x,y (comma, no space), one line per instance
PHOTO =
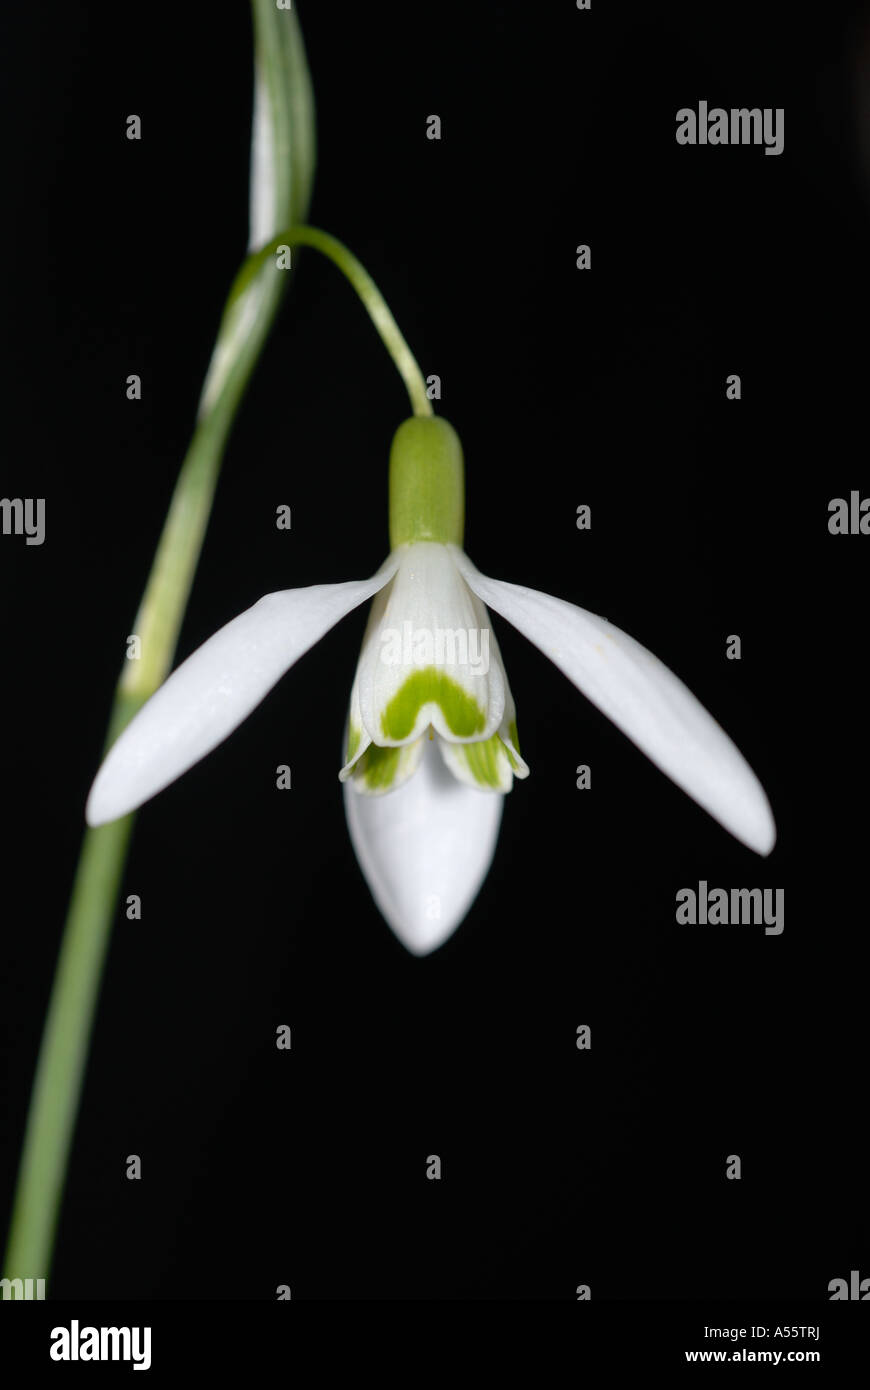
427,483
462,714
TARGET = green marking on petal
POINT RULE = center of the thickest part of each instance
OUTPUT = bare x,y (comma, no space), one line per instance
514,736
462,714
377,767
482,760
353,737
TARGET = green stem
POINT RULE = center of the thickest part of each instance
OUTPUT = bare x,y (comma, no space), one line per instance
365,287
283,83
247,317
63,1055
63,1052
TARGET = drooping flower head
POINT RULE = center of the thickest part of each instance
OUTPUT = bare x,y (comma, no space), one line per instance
431,742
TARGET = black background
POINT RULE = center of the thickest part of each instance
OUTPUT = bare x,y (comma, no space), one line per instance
560,1167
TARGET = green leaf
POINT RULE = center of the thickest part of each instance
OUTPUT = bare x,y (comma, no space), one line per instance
283,155
283,140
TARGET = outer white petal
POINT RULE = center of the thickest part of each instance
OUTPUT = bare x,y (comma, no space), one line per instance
643,698
425,850
216,688
428,622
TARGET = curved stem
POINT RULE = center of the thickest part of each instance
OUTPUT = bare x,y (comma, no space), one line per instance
246,319
362,282
63,1053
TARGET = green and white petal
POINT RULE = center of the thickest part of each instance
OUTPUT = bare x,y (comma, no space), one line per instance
216,688
486,765
509,737
424,850
508,730
377,770
428,658
370,768
490,764
643,698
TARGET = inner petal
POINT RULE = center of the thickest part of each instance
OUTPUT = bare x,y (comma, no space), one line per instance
429,656
489,764
435,697
380,770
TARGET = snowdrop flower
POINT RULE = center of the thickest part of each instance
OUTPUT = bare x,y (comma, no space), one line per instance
431,742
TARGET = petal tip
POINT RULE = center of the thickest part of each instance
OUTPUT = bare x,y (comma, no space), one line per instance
98,807
767,842
104,804
421,937
424,851
758,828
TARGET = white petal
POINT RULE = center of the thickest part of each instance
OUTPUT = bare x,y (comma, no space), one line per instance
643,698
216,688
428,657
425,850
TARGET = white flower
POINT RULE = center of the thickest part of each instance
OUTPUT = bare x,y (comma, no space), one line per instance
431,720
